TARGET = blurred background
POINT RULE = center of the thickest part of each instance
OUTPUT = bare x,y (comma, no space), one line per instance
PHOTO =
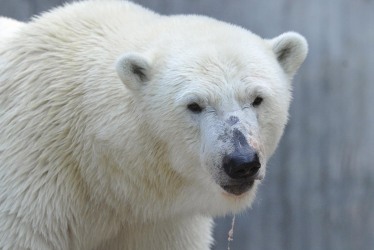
319,188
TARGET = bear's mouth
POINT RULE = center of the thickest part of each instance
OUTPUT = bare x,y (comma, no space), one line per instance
238,189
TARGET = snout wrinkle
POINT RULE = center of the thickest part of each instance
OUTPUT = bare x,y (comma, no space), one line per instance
232,120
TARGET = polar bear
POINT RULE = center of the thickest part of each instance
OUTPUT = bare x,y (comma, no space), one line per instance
124,129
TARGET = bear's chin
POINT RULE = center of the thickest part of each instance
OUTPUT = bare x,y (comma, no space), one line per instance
230,204
235,199
239,189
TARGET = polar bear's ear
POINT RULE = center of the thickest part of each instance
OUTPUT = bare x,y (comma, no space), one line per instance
290,50
133,70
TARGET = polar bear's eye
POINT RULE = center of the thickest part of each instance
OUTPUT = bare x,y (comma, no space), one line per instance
194,107
257,101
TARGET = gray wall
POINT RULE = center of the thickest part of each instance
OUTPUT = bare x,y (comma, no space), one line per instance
319,190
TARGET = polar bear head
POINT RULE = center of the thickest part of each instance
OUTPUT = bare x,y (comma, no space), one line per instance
219,100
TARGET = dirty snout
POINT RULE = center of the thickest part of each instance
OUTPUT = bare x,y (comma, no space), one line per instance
235,153
241,166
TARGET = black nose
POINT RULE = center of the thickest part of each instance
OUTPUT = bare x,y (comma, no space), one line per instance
239,166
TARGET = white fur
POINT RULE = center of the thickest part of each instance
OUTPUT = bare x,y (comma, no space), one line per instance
94,156
8,27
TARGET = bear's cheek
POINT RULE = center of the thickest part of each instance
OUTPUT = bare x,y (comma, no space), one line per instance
270,136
